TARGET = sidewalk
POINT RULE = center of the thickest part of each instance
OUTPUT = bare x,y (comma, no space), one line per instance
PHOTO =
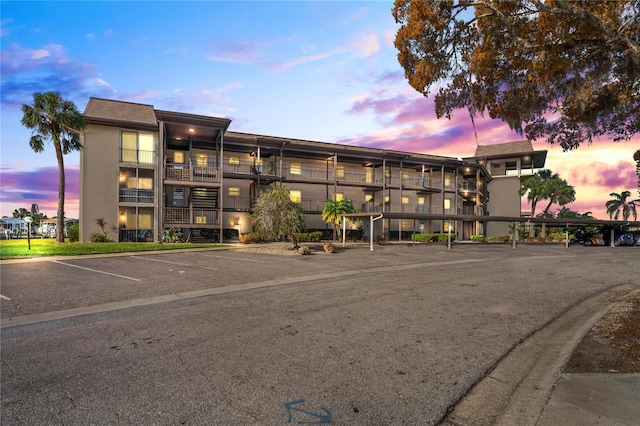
529,386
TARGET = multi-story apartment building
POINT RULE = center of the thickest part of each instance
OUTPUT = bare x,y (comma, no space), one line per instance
146,170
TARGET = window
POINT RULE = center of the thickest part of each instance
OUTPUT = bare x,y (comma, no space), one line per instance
234,161
386,198
201,219
369,175
421,200
406,224
447,203
511,165
340,172
295,169
202,160
295,196
405,200
234,191
136,185
136,218
234,220
178,157
339,196
137,147
368,198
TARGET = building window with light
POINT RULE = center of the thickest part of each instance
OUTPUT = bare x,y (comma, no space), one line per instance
295,169
234,191
202,160
295,196
340,172
137,147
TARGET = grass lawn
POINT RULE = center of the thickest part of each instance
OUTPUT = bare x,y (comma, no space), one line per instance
18,248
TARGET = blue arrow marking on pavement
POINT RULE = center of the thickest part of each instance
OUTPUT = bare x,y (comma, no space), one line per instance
320,419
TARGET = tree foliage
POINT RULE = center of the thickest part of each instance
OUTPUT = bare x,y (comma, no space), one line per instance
566,70
620,204
275,216
54,119
332,211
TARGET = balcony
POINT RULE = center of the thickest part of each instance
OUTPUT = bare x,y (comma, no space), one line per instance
189,173
136,196
190,216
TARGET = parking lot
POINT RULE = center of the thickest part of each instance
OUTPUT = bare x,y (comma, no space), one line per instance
393,336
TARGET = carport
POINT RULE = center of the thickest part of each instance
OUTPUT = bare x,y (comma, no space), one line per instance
375,216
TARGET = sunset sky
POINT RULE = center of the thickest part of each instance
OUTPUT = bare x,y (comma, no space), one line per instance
324,71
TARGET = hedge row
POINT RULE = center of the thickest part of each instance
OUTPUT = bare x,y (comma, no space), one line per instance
432,238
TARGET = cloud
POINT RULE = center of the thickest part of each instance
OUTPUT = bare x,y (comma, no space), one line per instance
238,52
608,176
48,68
39,186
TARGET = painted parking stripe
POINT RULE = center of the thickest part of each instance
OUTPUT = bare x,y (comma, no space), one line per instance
235,258
4,297
173,263
96,270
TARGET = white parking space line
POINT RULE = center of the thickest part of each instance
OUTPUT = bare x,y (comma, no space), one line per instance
4,297
95,270
235,258
174,263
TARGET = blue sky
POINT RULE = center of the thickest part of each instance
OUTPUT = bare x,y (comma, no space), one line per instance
324,71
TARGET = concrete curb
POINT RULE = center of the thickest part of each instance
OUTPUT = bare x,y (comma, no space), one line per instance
518,388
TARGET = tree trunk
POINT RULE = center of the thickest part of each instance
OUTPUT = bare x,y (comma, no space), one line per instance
61,183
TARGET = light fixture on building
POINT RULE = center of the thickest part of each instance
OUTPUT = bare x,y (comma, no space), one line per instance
191,130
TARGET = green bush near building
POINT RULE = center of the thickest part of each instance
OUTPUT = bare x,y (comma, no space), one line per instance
432,238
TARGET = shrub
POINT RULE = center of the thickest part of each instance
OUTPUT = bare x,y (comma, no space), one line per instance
433,238
73,231
172,235
250,238
313,237
98,237
478,238
498,239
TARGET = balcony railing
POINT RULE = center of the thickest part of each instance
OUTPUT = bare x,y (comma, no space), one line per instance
237,203
136,195
137,156
136,235
186,215
185,172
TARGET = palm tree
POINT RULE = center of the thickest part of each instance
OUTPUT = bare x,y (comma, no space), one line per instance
534,188
52,118
557,191
332,211
619,204
20,213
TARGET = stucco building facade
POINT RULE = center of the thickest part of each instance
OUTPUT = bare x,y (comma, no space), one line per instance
145,170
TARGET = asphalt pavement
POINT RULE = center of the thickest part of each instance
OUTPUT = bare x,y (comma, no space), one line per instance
402,335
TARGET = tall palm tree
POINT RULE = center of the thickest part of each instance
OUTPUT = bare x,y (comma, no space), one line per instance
558,191
619,204
332,211
534,188
55,119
